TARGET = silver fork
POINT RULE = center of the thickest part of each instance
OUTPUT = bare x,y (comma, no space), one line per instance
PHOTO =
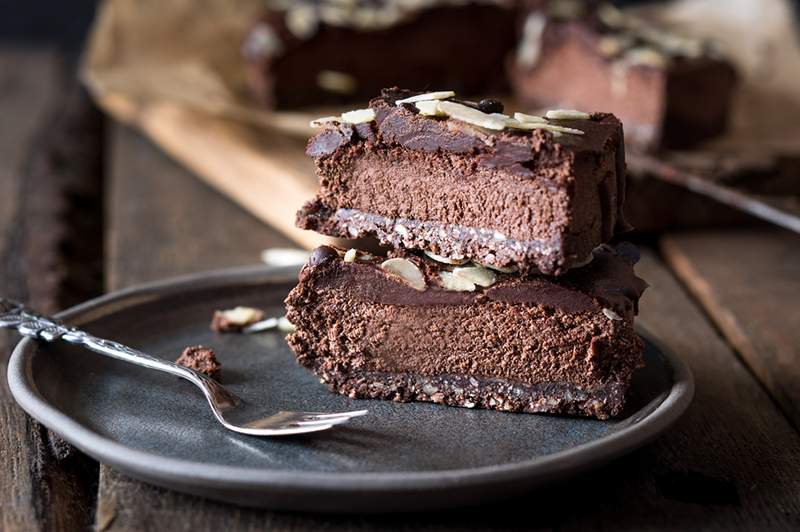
233,412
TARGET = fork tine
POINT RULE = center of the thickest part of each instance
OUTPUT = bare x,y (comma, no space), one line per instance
329,421
325,415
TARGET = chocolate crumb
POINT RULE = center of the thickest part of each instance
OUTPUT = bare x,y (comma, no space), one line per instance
201,359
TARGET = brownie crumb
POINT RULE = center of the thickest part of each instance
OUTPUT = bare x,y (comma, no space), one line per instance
201,359
236,319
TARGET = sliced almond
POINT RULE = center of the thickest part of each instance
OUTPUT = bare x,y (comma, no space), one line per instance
302,21
242,316
450,281
559,129
438,95
320,122
351,255
567,114
471,116
407,271
645,56
476,274
498,268
612,45
611,16
445,260
610,314
530,45
429,108
522,117
516,124
285,325
337,82
359,116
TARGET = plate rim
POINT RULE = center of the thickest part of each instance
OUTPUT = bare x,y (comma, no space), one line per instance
187,472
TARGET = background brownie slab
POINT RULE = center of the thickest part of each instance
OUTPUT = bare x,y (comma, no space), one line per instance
668,91
324,52
505,198
524,344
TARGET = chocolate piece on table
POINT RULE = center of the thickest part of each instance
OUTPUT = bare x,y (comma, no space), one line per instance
201,359
327,52
522,194
669,91
412,329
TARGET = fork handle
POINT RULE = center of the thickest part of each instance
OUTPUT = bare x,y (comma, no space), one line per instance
14,315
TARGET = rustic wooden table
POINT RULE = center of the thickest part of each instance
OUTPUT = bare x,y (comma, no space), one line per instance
88,206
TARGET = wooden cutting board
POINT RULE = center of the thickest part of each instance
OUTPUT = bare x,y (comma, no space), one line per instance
264,170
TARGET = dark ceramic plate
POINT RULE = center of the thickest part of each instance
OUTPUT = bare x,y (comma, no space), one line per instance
399,457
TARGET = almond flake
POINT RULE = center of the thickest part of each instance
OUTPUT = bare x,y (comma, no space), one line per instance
452,282
567,114
285,325
359,116
445,260
645,57
611,16
476,274
500,269
439,95
522,117
471,116
351,255
337,82
241,316
559,129
429,108
302,21
516,124
320,122
610,314
405,270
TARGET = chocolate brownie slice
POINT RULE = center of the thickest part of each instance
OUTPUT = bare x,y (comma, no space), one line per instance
313,52
669,91
412,329
522,193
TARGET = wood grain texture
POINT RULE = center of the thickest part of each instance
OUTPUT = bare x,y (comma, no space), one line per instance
749,283
263,170
44,484
732,462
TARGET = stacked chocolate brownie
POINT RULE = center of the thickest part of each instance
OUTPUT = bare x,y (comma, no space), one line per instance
670,91
499,289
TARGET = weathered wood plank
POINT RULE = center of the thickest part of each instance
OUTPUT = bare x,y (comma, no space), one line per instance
732,462
44,174
749,283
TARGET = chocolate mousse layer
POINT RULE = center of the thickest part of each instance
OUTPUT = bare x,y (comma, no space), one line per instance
409,328
535,199
669,91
